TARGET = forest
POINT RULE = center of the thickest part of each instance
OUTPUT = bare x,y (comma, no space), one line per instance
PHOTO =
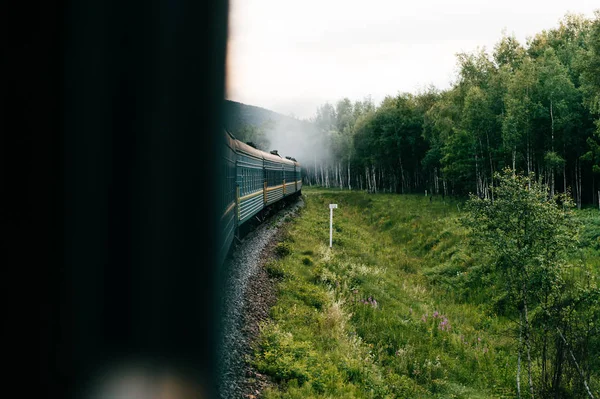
533,107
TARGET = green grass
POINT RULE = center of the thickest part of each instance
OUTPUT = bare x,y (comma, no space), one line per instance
590,237
396,309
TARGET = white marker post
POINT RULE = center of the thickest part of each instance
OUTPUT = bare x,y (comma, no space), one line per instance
331,208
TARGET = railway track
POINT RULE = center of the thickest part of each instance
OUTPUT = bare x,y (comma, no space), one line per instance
248,295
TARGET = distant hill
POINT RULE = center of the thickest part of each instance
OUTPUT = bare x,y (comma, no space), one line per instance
239,116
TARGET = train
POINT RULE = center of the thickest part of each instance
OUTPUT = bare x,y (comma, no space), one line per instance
254,181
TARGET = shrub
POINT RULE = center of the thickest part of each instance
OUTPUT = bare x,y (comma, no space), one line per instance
311,295
283,249
281,356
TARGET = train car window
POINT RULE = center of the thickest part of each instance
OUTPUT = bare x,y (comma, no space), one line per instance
254,180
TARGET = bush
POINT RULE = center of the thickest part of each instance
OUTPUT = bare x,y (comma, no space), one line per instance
283,249
281,356
311,295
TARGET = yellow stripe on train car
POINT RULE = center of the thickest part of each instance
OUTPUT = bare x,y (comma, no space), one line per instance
274,187
251,195
229,209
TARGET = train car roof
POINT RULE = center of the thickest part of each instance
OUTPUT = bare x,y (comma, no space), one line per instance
293,160
272,157
277,158
239,146
245,148
288,161
230,140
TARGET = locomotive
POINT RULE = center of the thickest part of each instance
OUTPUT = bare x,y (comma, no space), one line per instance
254,180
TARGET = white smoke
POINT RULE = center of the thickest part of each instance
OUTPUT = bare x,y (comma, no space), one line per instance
298,139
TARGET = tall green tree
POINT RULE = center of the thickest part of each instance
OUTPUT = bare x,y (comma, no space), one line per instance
556,100
516,125
590,77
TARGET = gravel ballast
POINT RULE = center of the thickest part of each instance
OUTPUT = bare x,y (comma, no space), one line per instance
249,293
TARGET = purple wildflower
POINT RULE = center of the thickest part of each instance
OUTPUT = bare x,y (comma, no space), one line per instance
444,324
435,314
369,301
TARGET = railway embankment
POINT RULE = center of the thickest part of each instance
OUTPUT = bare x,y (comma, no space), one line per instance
400,306
249,294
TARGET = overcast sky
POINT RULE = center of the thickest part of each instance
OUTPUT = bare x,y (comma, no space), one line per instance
291,56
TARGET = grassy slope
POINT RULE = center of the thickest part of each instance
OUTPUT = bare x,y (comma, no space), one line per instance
378,316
